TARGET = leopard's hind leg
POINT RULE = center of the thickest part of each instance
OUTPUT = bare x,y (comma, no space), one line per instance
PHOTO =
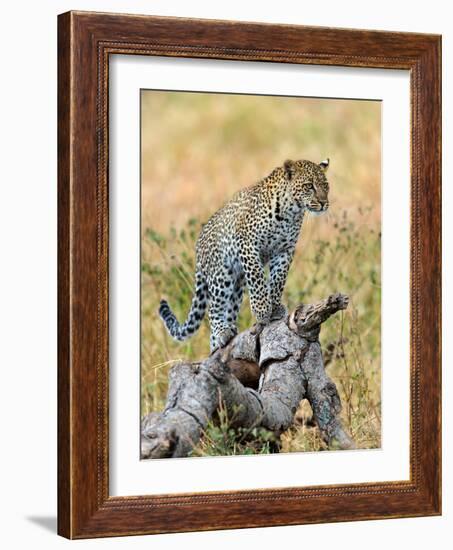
223,309
236,300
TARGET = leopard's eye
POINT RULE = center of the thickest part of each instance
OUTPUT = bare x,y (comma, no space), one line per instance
307,187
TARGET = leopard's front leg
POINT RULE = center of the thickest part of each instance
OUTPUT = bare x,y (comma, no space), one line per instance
278,268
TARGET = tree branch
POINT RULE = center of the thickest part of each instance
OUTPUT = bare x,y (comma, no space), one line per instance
260,377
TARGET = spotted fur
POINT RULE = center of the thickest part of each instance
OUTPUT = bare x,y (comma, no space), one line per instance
260,225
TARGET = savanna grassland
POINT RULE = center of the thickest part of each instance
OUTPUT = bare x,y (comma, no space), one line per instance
197,150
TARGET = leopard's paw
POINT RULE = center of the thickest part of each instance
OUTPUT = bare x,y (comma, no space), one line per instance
223,338
278,312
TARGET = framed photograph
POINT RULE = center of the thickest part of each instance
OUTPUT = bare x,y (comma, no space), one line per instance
249,275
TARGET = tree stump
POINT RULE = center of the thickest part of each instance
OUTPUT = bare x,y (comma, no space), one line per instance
260,378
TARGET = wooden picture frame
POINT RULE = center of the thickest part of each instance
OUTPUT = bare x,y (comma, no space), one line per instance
85,42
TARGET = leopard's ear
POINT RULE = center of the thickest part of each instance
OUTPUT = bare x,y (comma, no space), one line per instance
324,165
290,168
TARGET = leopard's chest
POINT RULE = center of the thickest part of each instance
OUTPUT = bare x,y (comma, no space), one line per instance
279,235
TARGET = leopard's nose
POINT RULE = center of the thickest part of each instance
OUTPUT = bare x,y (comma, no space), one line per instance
324,205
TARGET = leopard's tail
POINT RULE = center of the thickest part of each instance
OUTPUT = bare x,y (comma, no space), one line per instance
196,313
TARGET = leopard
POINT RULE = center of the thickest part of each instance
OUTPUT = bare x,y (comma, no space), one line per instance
249,244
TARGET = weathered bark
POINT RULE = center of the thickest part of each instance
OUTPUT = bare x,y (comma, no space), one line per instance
286,359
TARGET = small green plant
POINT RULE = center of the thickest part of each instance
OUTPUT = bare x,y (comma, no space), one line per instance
222,438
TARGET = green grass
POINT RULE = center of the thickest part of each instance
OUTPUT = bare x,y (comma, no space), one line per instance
221,439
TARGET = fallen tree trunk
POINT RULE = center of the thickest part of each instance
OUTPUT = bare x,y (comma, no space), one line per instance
260,379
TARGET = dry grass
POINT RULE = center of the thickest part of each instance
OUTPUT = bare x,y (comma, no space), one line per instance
197,149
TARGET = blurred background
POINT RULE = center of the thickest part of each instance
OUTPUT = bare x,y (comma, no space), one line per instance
197,149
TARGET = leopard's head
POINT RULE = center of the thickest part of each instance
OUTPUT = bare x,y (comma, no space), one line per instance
308,184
